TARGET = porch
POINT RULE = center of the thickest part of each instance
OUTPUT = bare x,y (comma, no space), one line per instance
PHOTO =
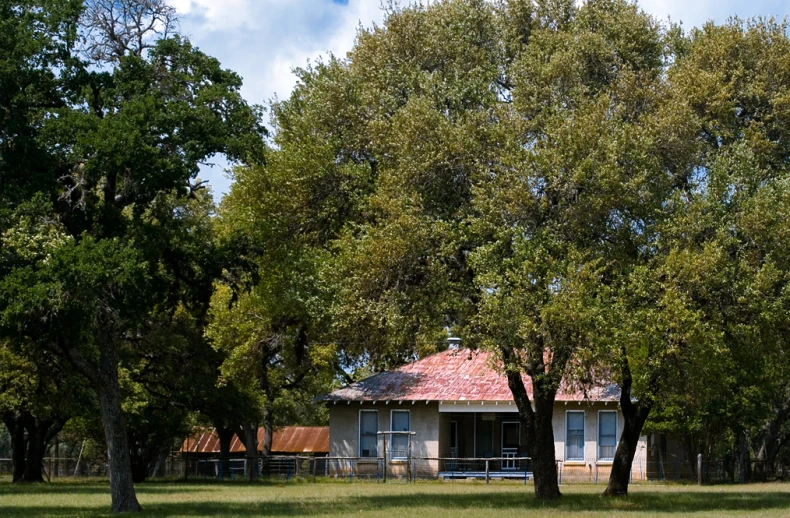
482,445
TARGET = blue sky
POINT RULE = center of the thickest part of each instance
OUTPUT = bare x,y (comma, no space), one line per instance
264,39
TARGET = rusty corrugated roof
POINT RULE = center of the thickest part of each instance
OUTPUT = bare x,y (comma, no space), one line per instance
301,439
453,375
288,439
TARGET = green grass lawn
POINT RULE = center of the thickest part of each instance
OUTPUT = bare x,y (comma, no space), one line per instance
424,499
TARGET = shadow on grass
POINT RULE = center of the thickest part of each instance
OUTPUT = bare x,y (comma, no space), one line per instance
78,487
706,502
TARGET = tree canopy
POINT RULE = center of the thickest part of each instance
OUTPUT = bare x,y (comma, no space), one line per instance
579,189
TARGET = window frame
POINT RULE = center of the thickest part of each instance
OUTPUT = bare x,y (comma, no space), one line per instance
392,450
616,423
584,431
359,433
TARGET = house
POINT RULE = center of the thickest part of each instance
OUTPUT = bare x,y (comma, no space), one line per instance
459,411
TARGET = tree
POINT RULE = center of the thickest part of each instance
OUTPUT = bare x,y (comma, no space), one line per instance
119,141
711,250
37,398
113,29
579,171
35,43
485,179
269,356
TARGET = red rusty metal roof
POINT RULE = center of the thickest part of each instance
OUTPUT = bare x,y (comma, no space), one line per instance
301,439
453,375
288,439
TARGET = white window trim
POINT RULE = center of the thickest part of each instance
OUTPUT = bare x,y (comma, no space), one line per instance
584,432
408,412
359,433
616,425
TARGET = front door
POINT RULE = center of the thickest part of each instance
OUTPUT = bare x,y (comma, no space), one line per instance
511,442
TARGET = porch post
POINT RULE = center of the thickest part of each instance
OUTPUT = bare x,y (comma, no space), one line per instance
474,435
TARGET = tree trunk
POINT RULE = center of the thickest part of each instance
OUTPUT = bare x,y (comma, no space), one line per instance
139,462
772,437
544,464
745,460
124,498
268,430
225,435
251,445
36,445
635,415
692,448
266,445
539,433
16,430
39,434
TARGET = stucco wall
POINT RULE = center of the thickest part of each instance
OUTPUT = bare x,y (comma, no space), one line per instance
344,427
433,431
591,467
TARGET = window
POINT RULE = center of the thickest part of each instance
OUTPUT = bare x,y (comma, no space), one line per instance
399,444
368,428
607,434
574,436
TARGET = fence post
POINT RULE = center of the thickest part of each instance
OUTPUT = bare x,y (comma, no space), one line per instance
315,468
699,469
384,438
408,461
79,457
487,472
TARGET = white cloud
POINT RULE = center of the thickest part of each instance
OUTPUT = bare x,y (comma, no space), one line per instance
217,14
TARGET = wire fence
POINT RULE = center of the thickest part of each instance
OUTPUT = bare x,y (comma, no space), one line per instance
61,467
415,469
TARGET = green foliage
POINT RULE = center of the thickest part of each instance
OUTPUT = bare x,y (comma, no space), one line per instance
723,254
106,234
